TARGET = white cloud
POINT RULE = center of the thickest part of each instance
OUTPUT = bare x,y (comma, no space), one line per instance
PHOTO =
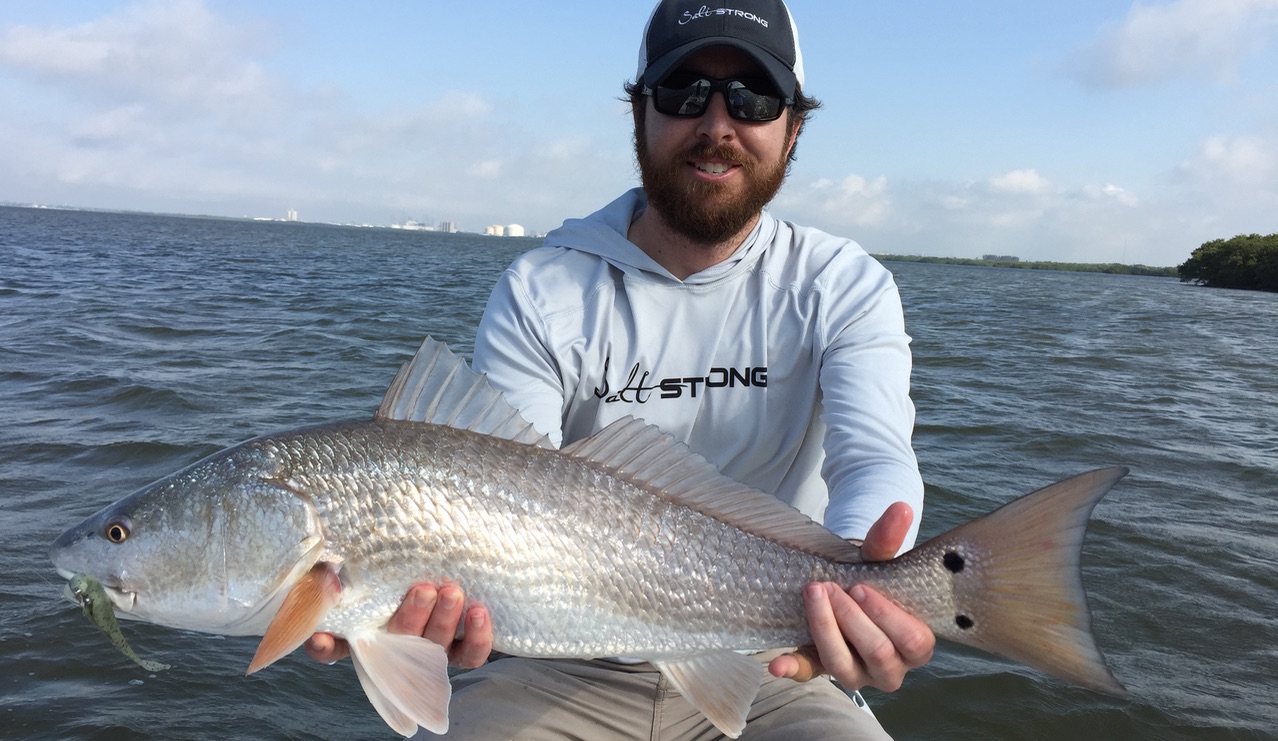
171,107
1109,192
1021,212
1244,160
176,53
1154,43
852,200
166,106
1021,181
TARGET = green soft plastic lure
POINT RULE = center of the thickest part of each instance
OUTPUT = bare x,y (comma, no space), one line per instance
97,607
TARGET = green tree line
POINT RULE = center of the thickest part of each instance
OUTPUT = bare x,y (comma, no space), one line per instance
1007,261
1248,261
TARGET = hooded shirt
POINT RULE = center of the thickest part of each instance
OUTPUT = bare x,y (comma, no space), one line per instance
786,365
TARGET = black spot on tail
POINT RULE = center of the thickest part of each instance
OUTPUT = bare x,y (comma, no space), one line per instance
953,561
963,622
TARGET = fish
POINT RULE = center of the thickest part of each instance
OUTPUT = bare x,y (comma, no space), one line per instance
89,594
623,544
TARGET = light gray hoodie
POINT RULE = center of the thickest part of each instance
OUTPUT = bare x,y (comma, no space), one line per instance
787,365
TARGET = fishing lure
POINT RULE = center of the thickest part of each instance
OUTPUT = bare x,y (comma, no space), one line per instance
97,608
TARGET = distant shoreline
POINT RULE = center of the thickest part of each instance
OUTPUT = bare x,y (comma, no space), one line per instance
245,219
1113,267
1073,267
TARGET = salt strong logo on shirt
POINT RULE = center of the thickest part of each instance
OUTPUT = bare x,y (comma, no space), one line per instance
706,12
637,389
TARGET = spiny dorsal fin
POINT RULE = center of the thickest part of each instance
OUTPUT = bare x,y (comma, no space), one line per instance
438,387
643,455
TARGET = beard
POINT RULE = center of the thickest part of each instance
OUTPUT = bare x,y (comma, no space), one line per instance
707,213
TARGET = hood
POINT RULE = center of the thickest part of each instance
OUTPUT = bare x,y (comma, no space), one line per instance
603,234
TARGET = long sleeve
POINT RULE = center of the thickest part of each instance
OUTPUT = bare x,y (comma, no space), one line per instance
510,349
867,411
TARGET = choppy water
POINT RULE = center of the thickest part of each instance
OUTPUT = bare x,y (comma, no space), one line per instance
132,345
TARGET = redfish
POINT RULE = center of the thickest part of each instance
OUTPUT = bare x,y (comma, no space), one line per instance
622,544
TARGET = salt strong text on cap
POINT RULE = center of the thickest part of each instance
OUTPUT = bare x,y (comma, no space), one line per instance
763,29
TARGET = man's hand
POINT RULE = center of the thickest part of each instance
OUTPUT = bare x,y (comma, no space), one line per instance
432,613
859,636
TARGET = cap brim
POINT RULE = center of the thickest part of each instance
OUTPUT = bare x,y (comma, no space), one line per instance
778,71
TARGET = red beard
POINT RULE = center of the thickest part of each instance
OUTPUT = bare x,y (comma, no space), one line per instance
709,213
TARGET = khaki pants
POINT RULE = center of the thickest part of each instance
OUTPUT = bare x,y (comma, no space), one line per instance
551,700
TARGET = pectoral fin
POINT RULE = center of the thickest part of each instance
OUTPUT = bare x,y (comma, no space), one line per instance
721,685
406,679
303,608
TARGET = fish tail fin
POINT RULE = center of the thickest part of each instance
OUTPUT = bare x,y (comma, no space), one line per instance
1018,590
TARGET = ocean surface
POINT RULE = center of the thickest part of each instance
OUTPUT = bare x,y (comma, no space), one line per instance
132,345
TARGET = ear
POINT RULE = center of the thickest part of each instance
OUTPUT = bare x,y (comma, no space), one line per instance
795,122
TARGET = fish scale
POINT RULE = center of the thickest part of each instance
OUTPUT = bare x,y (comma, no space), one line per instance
489,535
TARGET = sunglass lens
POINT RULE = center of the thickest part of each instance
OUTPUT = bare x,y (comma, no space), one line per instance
686,99
747,105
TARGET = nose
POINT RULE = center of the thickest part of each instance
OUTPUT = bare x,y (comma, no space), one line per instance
715,124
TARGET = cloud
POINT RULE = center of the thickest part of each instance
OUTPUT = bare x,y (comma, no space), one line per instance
1021,181
1108,192
175,53
166,106
852,200
1244,160
1019,212
1228,185
1156,43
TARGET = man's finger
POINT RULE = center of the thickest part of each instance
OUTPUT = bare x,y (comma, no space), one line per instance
477,642
809,663
911,639
411,616
326,648
887,535
831,613
442,625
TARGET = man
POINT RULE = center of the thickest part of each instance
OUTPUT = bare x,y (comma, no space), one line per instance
776,351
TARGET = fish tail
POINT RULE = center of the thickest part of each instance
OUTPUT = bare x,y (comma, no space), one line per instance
1017,586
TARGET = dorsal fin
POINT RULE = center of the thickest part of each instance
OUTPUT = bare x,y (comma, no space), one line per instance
643,455
438,387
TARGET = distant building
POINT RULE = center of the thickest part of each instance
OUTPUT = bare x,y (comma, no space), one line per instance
414,226
495,230
292,215
514,230
449,226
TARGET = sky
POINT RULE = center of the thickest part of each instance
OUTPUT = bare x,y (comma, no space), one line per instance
1086,131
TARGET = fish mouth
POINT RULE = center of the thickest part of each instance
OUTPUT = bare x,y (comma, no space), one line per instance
121,599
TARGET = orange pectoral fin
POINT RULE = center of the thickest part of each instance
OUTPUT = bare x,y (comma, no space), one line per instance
303,608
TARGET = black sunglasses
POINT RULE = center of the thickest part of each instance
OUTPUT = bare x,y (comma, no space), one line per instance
688,96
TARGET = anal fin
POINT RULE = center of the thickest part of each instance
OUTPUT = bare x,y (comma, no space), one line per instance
405,678
722,685
303,609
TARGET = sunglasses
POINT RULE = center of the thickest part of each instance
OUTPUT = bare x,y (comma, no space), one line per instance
688,96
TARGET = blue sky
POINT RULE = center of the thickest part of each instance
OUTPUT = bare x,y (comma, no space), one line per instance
1085,131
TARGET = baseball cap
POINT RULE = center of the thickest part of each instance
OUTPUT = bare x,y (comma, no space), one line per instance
761,28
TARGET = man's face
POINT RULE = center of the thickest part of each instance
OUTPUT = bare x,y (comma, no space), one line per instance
709,177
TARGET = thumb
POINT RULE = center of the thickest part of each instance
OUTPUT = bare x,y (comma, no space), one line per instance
888,534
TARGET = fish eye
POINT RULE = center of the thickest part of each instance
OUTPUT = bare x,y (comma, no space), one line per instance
117,531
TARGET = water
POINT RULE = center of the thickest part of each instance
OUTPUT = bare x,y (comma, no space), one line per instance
132,345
